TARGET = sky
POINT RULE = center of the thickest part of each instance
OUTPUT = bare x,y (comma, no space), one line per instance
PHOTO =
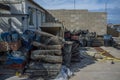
112,9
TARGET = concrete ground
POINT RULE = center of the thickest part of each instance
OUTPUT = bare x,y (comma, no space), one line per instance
89,69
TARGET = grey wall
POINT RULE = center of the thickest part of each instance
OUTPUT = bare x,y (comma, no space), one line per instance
82,19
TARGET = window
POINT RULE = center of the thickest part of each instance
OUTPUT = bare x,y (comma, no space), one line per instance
43,17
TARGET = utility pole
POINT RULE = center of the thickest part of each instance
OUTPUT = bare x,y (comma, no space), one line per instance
106,6
74,4
106,2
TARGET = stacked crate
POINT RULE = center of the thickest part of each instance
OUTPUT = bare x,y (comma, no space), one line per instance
10,56
46,56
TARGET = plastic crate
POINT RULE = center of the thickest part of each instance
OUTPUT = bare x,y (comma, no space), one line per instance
4,46
74,37
15,45
15,66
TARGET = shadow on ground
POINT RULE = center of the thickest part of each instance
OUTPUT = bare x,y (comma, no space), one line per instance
85,61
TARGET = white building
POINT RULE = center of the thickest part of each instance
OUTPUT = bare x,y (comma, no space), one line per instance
21,15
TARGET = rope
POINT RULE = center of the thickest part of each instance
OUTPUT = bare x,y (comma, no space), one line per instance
113,59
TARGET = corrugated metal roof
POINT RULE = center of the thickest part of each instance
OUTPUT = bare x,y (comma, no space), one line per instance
4,24
38,5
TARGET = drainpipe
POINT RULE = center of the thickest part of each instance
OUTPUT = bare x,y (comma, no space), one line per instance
36,19
23,18
27,20
10,23
22,7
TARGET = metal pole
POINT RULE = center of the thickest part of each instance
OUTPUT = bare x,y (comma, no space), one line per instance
74,4
106,9
106,6
10,23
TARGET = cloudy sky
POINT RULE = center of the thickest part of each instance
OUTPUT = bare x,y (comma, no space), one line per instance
113,6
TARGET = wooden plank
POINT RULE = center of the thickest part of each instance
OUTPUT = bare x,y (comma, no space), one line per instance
40,45
46,52
44,66
48,58
52,38
13,15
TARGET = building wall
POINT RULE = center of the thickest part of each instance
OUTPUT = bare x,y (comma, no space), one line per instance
49,17
82,19
18,23
17,7
38,14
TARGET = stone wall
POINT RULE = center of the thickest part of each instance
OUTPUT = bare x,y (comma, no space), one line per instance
82,19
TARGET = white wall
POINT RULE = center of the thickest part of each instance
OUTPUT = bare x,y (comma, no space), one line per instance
22,8
15,21
16,8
